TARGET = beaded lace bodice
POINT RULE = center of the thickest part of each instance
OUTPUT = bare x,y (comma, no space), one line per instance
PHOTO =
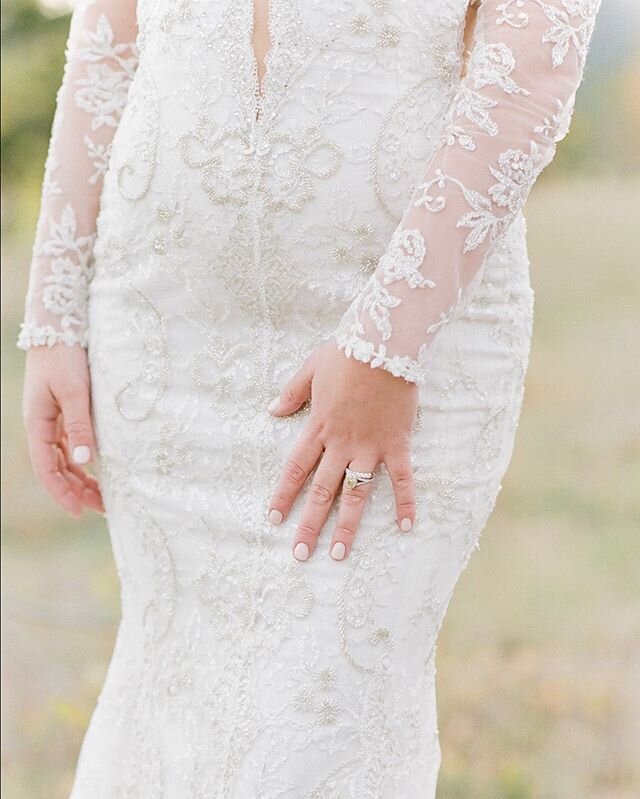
486,137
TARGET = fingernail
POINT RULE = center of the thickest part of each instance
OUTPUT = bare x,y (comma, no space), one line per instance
273,405
301,551
81,454
338,550
405,525
275,517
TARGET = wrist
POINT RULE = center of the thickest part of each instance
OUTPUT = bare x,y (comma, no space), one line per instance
34,336
399,367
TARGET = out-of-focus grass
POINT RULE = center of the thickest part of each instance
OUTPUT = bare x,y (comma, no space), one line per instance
541,644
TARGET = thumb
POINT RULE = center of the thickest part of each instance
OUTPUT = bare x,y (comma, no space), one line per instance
296,392
76,420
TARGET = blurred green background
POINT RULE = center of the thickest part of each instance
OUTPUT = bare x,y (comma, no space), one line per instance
539,658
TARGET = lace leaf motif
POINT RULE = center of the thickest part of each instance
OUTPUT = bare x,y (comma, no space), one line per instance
98,71
504,119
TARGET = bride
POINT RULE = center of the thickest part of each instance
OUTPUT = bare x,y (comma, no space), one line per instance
280,299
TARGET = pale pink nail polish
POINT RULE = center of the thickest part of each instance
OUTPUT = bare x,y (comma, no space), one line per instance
275,517
406,525
81,454
338,550
273,405
301,551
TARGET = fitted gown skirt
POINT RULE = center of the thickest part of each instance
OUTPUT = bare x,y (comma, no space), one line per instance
239,672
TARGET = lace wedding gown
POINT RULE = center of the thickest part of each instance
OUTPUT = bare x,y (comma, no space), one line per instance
202,230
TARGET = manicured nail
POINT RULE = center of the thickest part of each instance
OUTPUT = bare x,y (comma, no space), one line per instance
301,551
273,405
338,550
81,454
275,517
405,525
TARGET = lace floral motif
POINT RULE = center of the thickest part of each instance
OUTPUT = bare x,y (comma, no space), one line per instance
233,233
406,253
65,290
99,68
503,123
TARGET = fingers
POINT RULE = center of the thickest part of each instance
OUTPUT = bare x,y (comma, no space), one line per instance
75,404
88,488
401,473
76,479
294,393
322,491
85,485
352,504
297,468
78,444
326,483
69,485
44,454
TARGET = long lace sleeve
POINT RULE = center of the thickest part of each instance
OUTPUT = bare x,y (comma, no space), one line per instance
503,123
100,61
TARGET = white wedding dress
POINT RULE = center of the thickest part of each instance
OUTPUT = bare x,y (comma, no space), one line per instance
202,230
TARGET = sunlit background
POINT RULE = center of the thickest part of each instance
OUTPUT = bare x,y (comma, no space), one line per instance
539,658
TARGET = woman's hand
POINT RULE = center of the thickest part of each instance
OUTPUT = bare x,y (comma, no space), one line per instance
360,417
57,416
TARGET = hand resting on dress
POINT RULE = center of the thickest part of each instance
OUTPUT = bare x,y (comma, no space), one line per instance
57,416
360,417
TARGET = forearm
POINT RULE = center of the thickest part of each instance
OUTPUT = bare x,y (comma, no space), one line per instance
100,61
502,127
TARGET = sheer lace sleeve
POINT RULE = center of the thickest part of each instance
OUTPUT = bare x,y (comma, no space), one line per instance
100,61
509,111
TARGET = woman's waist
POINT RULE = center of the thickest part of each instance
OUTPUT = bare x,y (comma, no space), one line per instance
249,287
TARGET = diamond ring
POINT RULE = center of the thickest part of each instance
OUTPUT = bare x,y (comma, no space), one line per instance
353,479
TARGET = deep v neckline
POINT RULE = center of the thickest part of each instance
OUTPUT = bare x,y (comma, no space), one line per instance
289,51
261,16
